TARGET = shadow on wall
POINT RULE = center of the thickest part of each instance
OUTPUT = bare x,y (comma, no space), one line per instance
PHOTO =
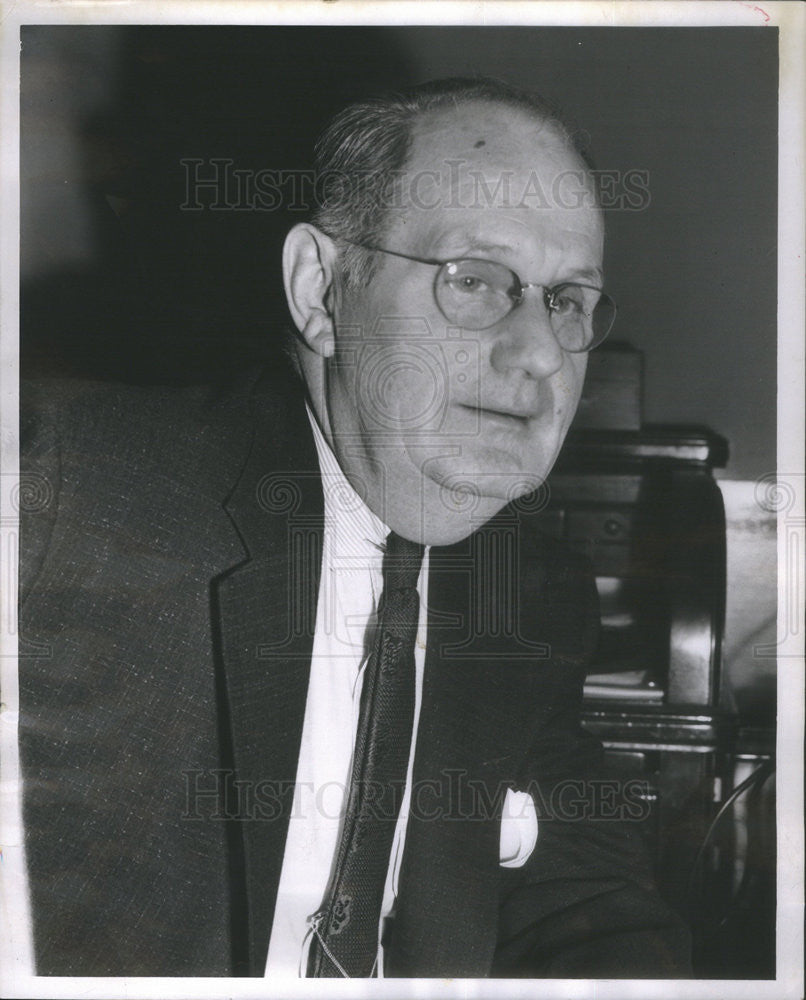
119,280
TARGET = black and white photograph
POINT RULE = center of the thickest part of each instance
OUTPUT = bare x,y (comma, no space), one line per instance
402,499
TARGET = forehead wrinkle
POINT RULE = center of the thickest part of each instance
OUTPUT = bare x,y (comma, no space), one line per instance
506,243
522,193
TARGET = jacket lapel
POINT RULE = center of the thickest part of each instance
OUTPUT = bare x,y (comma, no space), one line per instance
266,610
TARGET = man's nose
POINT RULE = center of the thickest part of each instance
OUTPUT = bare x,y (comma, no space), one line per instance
526,341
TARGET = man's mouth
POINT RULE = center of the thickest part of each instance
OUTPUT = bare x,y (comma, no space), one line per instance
523,416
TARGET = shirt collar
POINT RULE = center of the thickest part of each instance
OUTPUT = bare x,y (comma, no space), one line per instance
354,524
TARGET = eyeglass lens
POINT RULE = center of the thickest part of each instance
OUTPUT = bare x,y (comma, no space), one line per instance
476,294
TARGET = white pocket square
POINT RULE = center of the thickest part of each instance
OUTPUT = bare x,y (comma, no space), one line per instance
518,829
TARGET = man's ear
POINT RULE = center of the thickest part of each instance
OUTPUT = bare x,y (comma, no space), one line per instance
309,267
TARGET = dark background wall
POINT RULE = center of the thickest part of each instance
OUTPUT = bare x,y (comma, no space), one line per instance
120,281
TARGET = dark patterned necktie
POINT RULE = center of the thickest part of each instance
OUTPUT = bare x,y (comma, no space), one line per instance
345,941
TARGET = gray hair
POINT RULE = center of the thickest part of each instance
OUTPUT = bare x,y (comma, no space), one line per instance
364,149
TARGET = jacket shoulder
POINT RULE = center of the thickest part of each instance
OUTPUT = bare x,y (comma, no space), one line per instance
140,465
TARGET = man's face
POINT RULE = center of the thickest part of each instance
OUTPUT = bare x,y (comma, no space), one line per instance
430,413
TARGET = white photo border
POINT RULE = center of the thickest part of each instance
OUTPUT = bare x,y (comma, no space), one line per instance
16,952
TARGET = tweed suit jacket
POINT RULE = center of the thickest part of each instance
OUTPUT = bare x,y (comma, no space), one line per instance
169,579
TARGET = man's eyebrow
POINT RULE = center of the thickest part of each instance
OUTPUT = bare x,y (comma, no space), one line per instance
472,244
586,274
583,274
475,245
490,247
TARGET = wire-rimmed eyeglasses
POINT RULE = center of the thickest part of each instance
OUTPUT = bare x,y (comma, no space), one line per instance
475,294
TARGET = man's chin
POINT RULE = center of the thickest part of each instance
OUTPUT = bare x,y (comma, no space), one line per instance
456,501
462,484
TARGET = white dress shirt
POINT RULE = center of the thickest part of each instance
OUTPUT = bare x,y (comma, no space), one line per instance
350,586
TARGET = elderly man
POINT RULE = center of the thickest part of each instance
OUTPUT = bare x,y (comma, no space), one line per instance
300,681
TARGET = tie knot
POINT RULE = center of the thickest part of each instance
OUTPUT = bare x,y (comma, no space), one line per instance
402,562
